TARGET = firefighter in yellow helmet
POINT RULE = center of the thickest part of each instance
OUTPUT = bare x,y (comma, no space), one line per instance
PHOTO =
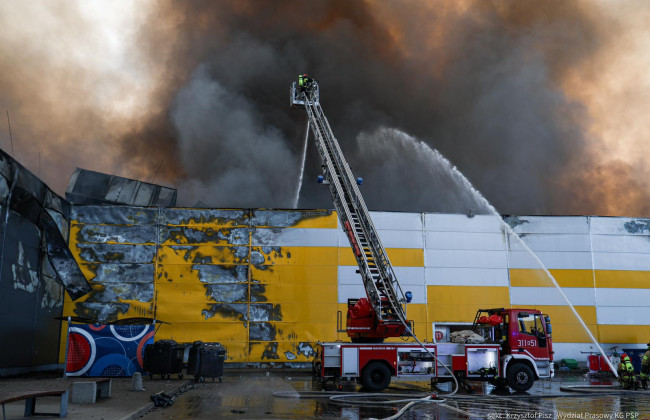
645,368
304,82
626,375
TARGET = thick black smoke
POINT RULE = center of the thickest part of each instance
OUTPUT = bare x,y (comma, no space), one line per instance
481,83
487,83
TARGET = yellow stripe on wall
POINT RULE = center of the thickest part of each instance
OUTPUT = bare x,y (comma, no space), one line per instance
623,279
320,222
624,334
295,274
538,278
303,293
296,255
399,257
566,327
460,303
617,279
203,254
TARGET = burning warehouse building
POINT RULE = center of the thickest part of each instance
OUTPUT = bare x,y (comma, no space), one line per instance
540,105
268,284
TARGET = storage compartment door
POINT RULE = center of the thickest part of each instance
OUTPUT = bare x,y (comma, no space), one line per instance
350,361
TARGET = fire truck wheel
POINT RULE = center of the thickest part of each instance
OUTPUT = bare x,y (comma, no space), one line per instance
520,377
375,376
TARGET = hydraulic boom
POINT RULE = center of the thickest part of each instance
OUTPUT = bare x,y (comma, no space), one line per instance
382,313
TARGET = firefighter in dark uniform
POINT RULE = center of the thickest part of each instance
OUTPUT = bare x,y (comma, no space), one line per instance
645,368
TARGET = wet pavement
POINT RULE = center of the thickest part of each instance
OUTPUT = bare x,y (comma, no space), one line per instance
252,394
123,403
256,396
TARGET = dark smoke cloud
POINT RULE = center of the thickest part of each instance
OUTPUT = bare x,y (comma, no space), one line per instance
228,154
484,82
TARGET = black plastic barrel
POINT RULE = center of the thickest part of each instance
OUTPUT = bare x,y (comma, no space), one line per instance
164,357
193,357
208,359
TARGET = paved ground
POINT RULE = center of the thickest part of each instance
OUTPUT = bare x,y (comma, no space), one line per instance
250,395
123,404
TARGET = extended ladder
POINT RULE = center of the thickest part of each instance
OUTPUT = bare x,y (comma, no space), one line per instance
382,288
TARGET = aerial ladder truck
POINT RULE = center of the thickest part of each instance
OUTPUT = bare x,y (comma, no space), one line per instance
518,343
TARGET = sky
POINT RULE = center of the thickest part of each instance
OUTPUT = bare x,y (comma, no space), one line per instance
541,105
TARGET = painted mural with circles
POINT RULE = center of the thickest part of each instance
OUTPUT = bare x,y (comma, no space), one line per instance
107,350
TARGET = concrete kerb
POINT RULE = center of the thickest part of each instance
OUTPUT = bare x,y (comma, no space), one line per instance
150,406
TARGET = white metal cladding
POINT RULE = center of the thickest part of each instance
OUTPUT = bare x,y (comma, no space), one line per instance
552,242
551,260
621,243
551,224
622,315
356,291
410,278
623,297
406,275
294,237
465,240
621,261
463,251
461,223
396,221
463,258
620,226
577,351
444,276
392,238
531,296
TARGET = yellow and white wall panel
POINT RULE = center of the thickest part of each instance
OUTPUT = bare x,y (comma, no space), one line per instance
410,278
464,251
267,283
562,245
621,259
466,266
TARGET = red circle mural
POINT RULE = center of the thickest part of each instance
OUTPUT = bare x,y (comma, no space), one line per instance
79,352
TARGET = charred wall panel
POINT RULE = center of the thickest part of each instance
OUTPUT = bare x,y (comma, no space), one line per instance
30,298
116,249
90,187
35,266
220,275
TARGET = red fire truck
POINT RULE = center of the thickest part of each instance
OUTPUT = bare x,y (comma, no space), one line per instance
518,350
516,343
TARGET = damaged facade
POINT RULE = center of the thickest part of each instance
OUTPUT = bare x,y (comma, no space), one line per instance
269,283
240,277
36,267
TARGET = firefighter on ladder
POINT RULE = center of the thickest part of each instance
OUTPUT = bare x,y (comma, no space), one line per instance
304,82
645,368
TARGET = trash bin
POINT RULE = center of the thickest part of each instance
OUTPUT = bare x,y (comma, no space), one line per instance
207,361
635,357
164,357
193,357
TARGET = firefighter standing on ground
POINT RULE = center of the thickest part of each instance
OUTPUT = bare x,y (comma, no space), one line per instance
626,375
645,368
